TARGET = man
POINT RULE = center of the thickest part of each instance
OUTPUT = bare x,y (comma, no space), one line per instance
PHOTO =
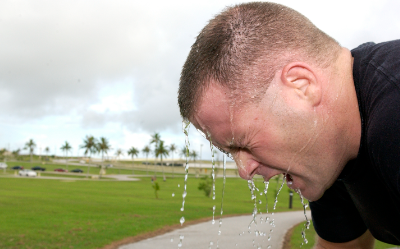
282,97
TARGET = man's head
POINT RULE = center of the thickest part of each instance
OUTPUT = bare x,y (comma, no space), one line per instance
242,48
264,84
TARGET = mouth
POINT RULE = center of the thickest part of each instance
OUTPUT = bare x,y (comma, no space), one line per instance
289,180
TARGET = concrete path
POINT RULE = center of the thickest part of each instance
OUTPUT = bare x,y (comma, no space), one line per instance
123,177
234,233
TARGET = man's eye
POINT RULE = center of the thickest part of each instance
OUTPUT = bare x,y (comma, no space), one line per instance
223,151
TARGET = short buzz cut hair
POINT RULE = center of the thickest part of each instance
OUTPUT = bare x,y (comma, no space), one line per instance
243,47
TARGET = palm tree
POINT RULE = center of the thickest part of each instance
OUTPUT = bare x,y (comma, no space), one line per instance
16,153
133,152
156,138
172,149
193,155
162,151
119,153
182,152
30,145
47,150
66,147
146,150
90,146
103,147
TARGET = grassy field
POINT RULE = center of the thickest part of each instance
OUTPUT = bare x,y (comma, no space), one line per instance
136,168
296,239
44,213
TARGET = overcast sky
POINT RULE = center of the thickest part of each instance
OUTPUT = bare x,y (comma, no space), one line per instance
111,68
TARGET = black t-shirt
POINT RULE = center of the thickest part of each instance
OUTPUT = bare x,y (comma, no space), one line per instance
367,193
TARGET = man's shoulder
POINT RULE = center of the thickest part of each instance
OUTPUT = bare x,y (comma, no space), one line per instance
383,57
377,49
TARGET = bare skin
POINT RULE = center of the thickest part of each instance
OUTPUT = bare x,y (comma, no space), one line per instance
307,125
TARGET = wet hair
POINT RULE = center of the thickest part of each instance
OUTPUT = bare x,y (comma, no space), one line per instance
243,47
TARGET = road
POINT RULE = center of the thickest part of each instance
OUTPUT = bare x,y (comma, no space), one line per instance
234,233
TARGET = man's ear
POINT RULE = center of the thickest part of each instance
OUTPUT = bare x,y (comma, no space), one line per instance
301,78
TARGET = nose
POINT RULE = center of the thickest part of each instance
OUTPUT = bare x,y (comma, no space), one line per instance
247,166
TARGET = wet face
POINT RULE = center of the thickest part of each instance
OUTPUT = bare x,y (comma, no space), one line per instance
279,135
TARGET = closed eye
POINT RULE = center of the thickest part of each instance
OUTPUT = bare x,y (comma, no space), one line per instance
223,151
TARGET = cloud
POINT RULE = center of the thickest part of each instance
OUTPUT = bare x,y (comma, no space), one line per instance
109,66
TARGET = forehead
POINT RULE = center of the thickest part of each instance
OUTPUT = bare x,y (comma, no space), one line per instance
220,116
213,108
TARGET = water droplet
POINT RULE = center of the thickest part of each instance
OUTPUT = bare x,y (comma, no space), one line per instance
184,194
181,237
179,185
180,244
182,209
259,202
172,240
182,220
269,237
173,194
211,243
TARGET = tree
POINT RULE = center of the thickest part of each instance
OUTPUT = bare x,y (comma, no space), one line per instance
66,147
146,150
119,153
30,145
103,147
156,187
183,152
133,152
206,185
47,150
162,151
155,139
193,155
172,149
16,153
90,146
3,152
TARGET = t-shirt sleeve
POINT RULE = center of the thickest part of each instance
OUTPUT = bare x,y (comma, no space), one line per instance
335,217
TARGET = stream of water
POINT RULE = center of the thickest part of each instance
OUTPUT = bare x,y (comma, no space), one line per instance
253,190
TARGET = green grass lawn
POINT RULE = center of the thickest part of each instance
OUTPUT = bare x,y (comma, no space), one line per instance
41,213
126,168
297,239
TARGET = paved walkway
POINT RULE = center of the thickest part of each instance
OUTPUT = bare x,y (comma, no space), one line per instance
234,234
